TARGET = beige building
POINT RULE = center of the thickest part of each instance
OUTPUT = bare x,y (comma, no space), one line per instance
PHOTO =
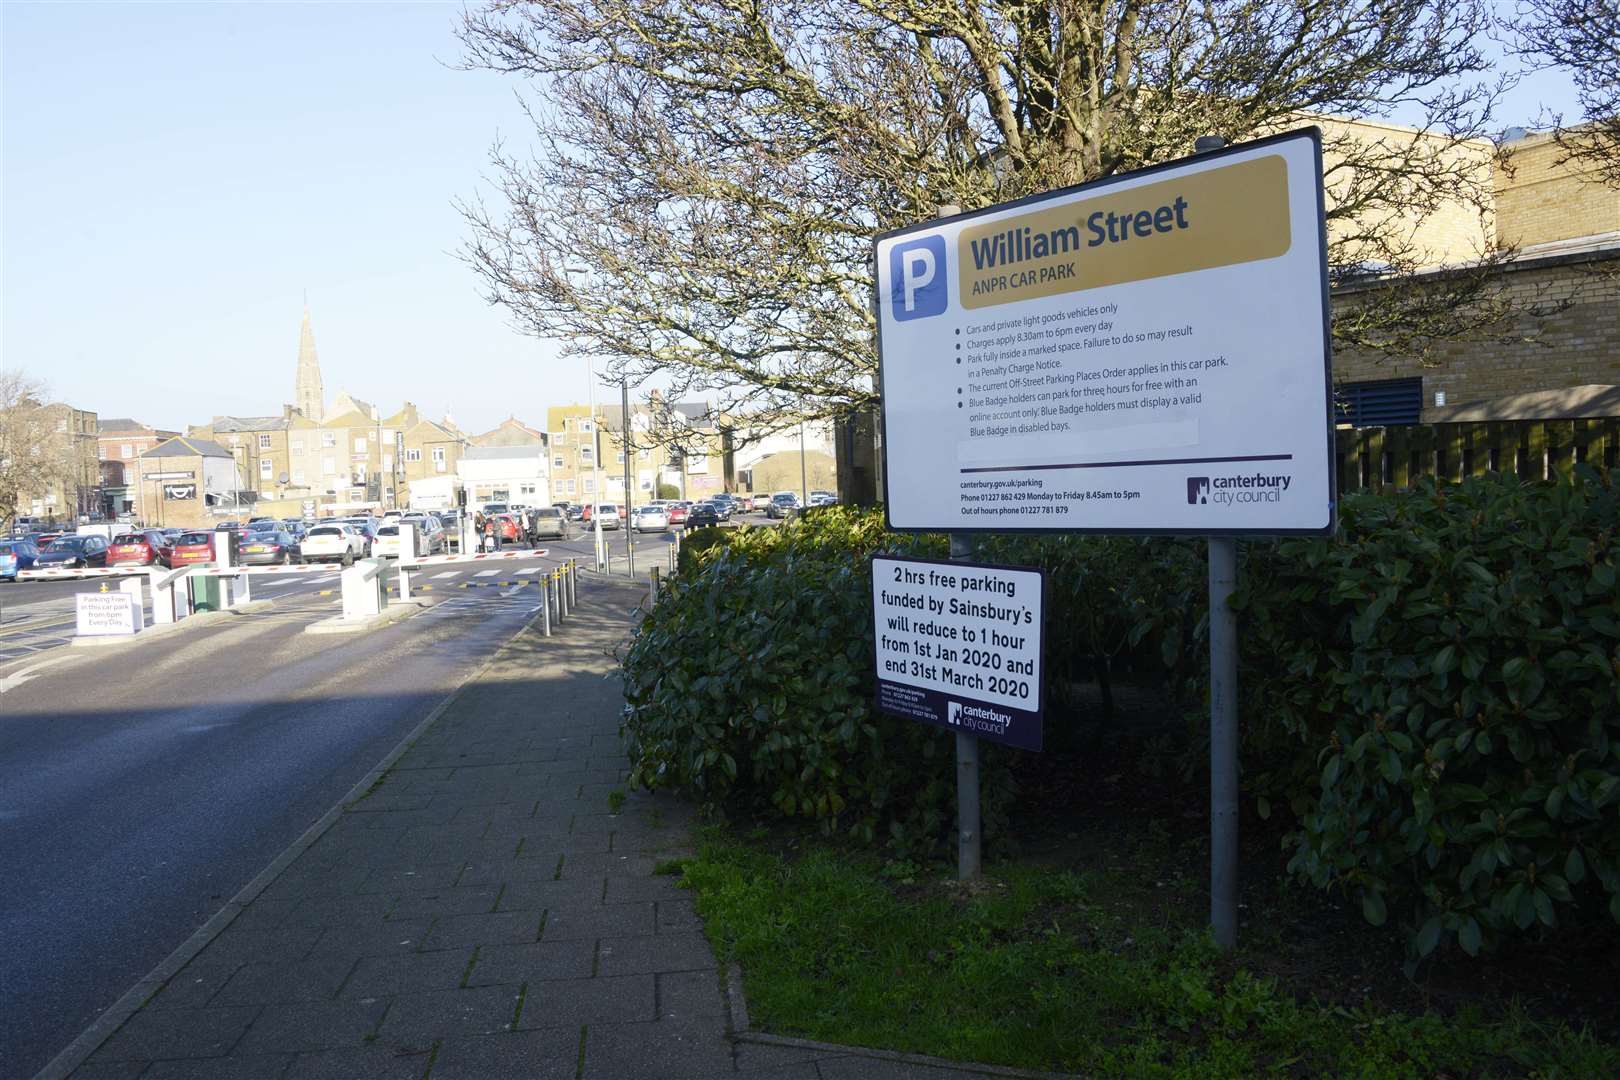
510,432
667,448
1559,354
191,483
76,494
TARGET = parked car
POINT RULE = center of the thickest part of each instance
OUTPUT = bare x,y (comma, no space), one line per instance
678,512
571,510
192,547
823,498
334,541
72,552
609,512
274,547
16,555
430,535
511,529
650,518
723,506
704,513
550,521
782,504
147,547
366,526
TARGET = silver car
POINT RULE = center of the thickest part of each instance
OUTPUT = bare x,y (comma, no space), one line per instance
651,519
549,521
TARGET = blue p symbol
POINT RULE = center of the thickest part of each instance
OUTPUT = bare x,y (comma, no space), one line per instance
917,278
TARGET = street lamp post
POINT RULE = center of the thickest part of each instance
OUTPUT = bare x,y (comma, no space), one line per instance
596,466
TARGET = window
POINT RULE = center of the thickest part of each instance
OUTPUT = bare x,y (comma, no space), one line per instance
328,466
570,485
587,456
126,451
558,487
589,486
1381,403
298,446
264,442
360,473
587,426
644,453
438,455
328,439
559,437
413,455
556,461
360,445
298,478
619,459
388,461
267,469
525,489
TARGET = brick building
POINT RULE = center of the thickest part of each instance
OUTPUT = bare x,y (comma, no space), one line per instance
119,444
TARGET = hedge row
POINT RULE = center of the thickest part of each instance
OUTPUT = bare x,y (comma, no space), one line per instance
1433,695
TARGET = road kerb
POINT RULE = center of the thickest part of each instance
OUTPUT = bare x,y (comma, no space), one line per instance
79,1050
396,611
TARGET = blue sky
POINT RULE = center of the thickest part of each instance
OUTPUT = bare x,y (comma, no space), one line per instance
177,175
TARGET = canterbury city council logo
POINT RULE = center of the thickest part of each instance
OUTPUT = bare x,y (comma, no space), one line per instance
1197,490
953,714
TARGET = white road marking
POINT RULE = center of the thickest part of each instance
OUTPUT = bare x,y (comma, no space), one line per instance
486,573
450,574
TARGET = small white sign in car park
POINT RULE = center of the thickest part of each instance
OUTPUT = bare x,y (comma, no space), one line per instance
1147,353
959,645
103,614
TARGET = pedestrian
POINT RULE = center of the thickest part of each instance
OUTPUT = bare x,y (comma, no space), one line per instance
478,528
492,533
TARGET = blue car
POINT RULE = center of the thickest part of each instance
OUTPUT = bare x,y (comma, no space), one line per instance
72,552
16,555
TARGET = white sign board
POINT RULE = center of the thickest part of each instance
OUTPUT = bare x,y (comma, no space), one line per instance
1148,353
959,645
103,614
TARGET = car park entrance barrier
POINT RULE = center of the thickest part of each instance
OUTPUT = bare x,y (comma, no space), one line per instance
365,589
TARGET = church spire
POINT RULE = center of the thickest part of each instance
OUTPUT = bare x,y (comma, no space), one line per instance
308,391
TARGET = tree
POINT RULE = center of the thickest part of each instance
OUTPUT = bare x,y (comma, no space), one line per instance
1582,37
34,455
707,175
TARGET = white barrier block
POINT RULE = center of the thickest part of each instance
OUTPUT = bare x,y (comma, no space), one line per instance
132,586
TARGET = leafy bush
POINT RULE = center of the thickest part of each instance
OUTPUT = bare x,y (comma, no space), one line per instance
1436,693
697,541
750,684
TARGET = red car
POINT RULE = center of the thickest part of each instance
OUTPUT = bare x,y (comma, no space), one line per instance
678,512
192,547
144,548
510,529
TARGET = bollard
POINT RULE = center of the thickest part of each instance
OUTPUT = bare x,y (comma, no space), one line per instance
652,587
573,578
557,587
545,606
672,556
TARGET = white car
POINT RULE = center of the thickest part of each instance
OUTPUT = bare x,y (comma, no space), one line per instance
651,518
337,542
430,537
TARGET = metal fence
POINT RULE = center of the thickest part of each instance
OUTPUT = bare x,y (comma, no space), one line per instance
1393,458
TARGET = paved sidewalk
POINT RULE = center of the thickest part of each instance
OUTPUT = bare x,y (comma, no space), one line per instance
480,913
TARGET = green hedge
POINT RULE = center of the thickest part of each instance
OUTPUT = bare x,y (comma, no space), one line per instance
1436,695
1433,696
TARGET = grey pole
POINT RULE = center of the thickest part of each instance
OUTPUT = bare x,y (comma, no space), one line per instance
967,769
624,444
804,471
573,580
545,606
968,846
1223,721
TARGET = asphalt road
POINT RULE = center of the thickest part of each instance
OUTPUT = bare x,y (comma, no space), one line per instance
141,786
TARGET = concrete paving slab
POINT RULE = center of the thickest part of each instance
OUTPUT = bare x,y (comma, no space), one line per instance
480,1010
544,960
275,984
325,1025
370,1062
390,976
254,1067
500,928
571,1002
599,921
665,952
669,1050
549,1054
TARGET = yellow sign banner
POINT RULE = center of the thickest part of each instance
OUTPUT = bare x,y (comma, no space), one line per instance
1220,217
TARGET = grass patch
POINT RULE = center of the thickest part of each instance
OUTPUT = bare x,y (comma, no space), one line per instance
1048,968
671,867
615,800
